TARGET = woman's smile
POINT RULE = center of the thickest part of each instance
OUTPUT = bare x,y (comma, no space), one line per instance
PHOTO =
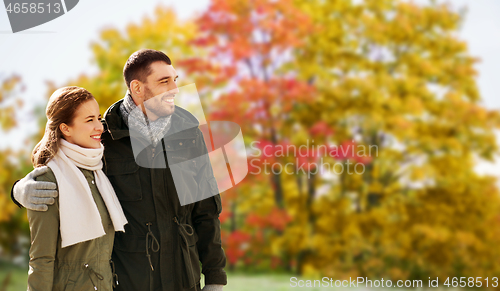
96,137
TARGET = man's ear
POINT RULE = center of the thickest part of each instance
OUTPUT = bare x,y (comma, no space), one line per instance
64,129
137,91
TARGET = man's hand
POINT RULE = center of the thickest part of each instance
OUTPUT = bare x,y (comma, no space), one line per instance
212,288
35,195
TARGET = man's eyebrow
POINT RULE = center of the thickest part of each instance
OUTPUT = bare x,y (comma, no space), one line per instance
166,78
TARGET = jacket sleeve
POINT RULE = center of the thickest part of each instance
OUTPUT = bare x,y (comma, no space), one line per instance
12,195
44,232
205,217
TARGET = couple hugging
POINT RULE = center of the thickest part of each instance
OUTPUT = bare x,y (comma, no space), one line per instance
99,220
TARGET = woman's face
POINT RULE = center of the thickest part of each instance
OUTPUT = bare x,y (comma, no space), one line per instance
86,128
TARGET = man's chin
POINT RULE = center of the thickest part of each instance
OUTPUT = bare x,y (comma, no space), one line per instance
170,111
164,112
167,113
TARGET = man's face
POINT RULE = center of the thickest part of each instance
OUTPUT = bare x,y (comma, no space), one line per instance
160,89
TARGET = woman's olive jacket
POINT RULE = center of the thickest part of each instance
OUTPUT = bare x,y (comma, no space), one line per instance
84,266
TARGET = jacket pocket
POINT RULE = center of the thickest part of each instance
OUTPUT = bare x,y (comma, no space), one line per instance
132,266
70,286
61,279
79,281
124,176
191,274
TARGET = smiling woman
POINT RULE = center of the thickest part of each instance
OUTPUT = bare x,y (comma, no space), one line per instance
71,242
86,128
67,111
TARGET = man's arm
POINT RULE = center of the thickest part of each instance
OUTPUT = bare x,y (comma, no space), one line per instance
207,226
32,194
12,195
212,288
205,217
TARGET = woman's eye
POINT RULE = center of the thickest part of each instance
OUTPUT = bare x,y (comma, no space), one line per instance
89,120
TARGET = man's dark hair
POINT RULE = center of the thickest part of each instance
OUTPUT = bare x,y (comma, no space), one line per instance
138,66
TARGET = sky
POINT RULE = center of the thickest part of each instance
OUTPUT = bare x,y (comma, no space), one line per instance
60,49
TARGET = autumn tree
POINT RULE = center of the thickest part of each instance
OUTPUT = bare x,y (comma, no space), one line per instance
395,75
14,163
388,74
248,43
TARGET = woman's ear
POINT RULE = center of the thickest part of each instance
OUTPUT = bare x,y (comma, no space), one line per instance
64,129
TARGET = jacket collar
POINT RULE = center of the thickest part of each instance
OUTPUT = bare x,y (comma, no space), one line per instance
184,124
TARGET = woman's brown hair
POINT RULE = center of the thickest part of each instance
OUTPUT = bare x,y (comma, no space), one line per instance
61,109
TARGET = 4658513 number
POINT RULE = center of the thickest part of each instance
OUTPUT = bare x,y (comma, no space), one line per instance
471,282
34,8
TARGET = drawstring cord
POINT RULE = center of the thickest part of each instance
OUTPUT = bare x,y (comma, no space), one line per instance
115,276
91,271
186,230
154,242
154,249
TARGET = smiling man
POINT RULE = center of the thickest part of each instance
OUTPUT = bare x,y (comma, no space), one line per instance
158,90
152,88
163,242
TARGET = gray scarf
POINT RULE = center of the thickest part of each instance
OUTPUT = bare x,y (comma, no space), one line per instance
135,118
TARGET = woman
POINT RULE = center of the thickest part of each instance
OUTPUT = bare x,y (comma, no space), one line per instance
71,243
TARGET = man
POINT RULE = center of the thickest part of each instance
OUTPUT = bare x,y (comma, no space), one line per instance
163,242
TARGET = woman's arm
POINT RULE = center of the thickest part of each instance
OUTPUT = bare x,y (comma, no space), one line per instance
44,229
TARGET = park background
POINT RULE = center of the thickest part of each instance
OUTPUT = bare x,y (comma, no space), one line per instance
416,79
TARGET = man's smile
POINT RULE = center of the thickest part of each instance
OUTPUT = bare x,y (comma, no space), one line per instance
169,100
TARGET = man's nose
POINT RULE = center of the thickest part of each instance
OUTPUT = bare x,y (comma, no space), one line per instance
174,89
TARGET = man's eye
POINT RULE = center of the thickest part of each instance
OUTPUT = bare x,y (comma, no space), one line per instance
89,120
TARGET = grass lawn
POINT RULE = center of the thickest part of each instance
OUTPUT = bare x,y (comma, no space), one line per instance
236,282
16,280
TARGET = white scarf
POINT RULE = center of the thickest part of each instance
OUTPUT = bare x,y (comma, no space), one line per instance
79,217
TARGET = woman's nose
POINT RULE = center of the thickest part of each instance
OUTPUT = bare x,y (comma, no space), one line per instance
99,127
